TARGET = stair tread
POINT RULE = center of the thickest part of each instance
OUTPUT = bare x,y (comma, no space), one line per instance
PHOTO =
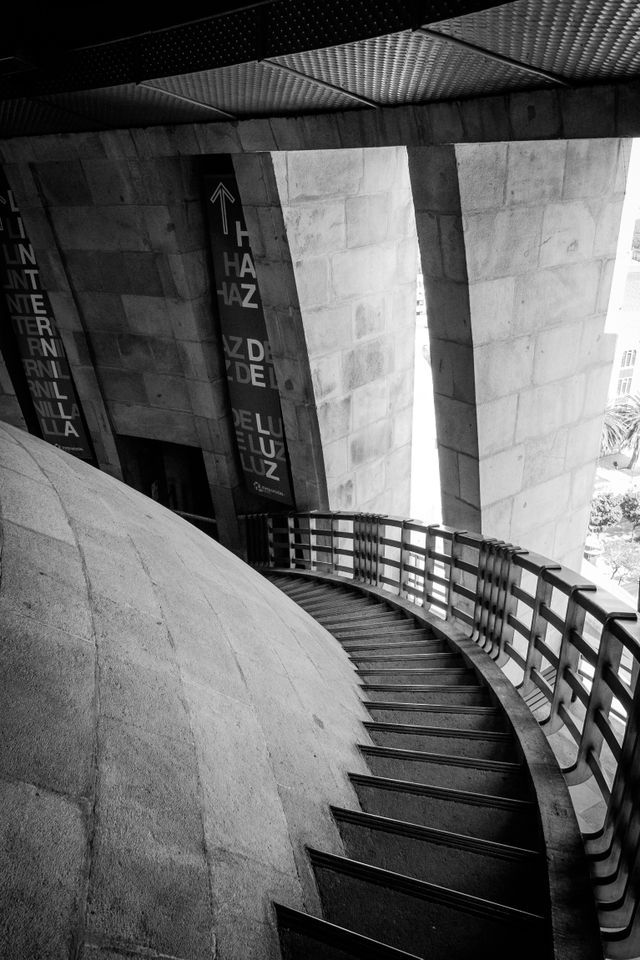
493,736
431,707
423,889
409,657
434,834
446,793
341,937
443,758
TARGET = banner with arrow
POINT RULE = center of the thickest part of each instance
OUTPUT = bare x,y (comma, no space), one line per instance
251,379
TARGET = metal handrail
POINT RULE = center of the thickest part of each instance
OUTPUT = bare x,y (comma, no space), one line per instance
571,649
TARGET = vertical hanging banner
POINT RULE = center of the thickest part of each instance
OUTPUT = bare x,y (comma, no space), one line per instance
253,389
36,336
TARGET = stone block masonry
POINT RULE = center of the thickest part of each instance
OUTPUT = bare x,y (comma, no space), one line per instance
537,228
351,232
123,251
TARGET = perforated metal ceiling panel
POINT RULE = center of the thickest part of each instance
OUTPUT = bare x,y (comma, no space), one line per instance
128,105
408,68
235,63
255,89
578,39
24,118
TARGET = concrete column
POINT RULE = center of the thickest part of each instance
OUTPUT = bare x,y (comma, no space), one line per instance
351,234
436,197
539,232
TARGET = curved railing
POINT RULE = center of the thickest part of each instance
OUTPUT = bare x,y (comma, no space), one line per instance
569,647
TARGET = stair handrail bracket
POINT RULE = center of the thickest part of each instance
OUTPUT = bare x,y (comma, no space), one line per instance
570,648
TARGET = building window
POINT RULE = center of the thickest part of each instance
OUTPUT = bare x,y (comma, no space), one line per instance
624,386
628,358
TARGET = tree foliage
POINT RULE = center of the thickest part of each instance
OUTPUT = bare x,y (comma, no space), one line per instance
621,428
605,511
623,556
613,429
630,507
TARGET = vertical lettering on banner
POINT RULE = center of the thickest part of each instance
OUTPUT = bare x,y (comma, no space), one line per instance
36,337
251,379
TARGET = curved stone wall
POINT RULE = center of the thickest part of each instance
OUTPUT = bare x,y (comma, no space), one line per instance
172,727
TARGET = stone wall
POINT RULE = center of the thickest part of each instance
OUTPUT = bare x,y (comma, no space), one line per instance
351,232
122,252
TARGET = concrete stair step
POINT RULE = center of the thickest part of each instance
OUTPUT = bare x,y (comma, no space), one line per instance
401,648
438,715
501,819
390,640
423,918
400,659
456,674
303,937
498,872
447,770
440,693
378,611
399,628
373,622
312,590
460,743
333,605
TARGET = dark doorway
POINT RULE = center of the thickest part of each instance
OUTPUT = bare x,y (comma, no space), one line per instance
170,473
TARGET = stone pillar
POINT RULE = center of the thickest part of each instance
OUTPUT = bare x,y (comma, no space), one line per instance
351,234
436,198
539,232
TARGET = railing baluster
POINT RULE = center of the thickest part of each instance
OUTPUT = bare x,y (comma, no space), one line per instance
429,546
568,658
537,629
402,551
600,699
453,567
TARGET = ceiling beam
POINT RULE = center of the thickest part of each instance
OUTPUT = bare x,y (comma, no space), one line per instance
321,83
491,55
183,99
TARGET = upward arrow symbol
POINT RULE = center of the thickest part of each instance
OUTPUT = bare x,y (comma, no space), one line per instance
222,194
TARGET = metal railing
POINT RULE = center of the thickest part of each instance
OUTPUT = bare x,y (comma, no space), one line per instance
570,648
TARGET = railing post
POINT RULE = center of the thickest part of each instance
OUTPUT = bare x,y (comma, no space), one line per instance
506,602
483,591
568,657
332,544
291,540
537,630
379,546
357,548
429,537
271,555
600,699
402,551
313,553
453,566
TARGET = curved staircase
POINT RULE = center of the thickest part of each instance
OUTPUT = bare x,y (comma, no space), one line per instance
449,855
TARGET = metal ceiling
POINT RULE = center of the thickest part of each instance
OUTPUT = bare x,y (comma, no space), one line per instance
286,57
